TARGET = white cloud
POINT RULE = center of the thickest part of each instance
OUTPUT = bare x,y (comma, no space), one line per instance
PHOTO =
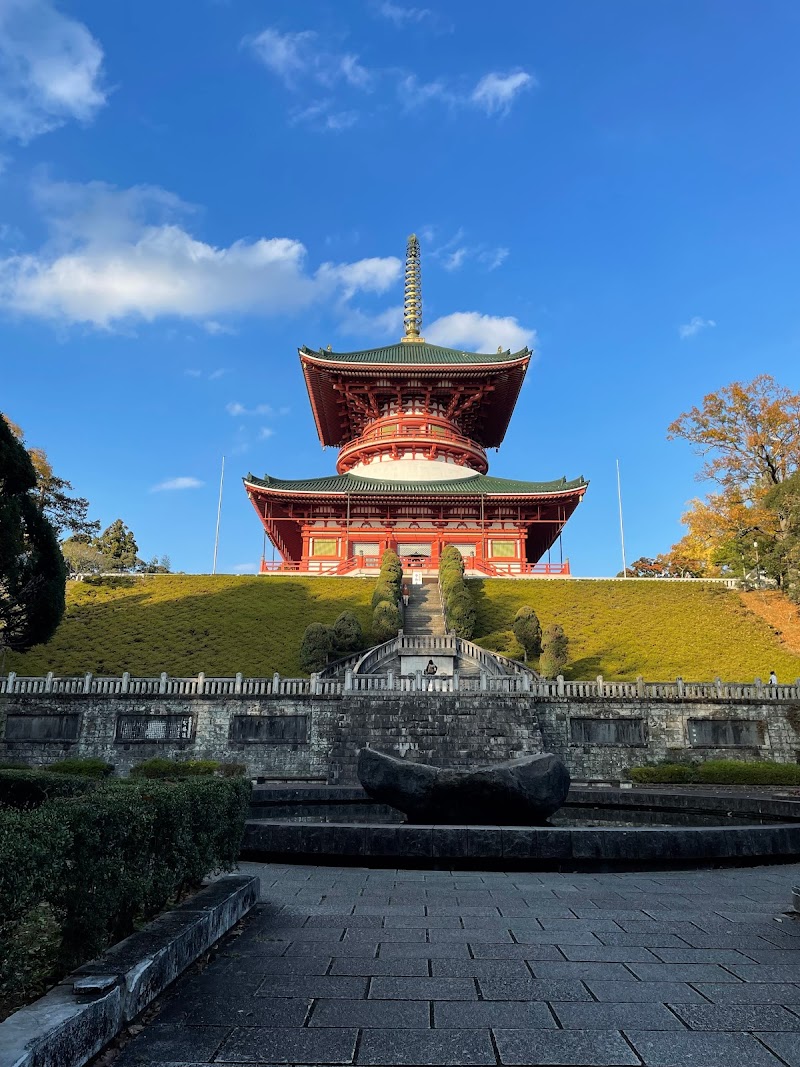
177,483
215,328
495,93
265,432
479,333
383,324
694,326
454,260
494,257
218,373
297,58
403,16
120,255
50,69
237,409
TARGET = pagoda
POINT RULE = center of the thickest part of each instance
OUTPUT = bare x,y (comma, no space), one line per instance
412,422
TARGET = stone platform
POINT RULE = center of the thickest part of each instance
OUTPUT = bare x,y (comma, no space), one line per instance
348,966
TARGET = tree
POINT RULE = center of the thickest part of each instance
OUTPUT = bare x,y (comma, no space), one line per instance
750,434
64,512
82,557
154,565
554,651
347,634
386,621
32,570
528,630
316,647
119,547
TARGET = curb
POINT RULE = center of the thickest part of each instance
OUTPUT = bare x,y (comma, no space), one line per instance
73,1021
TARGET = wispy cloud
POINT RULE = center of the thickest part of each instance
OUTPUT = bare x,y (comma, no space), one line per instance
480,333
215,328
407,17
177,483
453,260
126,254
211,376
50,70
238,410
454,252
297,58
694,326
495,93
265,432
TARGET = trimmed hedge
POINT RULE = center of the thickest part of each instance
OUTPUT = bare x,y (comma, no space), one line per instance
30,788
459,607
90,868
86,767
158,767
720,772
386,617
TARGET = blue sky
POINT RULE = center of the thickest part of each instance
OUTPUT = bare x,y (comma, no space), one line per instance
190,190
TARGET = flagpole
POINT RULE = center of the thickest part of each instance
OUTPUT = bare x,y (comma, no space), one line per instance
219,513
621,527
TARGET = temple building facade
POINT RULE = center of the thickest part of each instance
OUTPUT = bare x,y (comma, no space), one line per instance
412,422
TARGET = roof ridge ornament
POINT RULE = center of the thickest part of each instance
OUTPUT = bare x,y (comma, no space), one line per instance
412,304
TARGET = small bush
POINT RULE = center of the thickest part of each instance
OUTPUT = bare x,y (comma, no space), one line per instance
157,767
89,767
232,770
459,606
384,591
316,647
555,644
386,621
528,630
348,637
26,789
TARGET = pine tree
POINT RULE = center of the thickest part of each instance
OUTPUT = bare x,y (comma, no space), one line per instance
32,569
119,547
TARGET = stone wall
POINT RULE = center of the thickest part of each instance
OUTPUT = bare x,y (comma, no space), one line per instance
317,737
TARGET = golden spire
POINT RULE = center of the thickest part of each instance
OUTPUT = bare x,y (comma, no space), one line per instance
412,306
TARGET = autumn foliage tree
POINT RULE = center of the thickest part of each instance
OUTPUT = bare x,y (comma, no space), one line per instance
749,434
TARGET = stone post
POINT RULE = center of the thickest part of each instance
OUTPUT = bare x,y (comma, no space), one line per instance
48,682
718,687
237,685
201,682
162,684
484,681
560,685
348,680
640,686
759,689
126,682
679,682
455,679
314,683
599,685
390,681
276,684
10,681
526,682
418,682
87,682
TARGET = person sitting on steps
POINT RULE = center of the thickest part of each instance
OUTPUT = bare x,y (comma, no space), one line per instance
431,668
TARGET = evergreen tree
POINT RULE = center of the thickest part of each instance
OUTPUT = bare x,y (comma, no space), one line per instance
347,634
316,647
528,631
119,547
32,569
554,651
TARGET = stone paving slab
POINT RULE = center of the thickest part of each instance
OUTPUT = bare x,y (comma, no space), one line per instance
346,966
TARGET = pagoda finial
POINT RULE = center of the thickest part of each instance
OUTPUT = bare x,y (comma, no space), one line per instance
412,306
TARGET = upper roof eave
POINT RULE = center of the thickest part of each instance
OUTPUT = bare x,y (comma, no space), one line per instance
342,485
414,354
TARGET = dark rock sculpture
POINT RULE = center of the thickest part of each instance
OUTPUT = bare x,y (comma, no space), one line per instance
521,792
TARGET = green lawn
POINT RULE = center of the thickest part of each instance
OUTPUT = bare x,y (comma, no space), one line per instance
184,624
659,629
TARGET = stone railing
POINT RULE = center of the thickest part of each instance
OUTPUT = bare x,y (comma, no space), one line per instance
364,681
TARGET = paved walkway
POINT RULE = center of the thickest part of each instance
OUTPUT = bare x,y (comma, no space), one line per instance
342,965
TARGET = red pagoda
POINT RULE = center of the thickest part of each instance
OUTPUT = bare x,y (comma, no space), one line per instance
412,422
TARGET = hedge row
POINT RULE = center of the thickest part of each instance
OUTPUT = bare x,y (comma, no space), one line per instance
386,617
79,872
720,772
459,607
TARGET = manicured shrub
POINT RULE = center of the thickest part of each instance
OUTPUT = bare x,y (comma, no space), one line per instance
386,621
99,865
528,630
721,772
87,767
459,606
29,788
555,644
317,647
159,767
348,637
668,772
232,770
385,590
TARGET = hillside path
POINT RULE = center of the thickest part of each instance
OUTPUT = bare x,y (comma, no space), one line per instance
354,966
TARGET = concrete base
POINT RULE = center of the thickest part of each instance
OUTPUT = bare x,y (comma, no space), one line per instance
76,1019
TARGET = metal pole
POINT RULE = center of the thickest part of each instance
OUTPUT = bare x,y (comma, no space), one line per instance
621,527
219,513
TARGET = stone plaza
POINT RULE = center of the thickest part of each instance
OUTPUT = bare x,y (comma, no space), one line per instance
354,966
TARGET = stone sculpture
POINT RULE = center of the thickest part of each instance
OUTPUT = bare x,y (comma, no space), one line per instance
521,792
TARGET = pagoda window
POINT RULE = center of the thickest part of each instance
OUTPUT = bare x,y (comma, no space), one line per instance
503,549
413,549
324,546
365,548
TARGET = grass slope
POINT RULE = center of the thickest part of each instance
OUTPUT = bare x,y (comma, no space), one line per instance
658,629
184,624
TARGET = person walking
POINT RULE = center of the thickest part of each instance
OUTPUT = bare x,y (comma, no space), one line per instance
405,595
773,678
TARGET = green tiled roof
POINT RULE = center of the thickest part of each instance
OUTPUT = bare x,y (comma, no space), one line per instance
476,485
415,353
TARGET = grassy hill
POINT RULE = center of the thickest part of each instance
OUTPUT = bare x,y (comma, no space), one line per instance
189,623
659,629
184,624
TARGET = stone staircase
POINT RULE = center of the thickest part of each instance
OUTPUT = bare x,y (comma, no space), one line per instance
423,616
